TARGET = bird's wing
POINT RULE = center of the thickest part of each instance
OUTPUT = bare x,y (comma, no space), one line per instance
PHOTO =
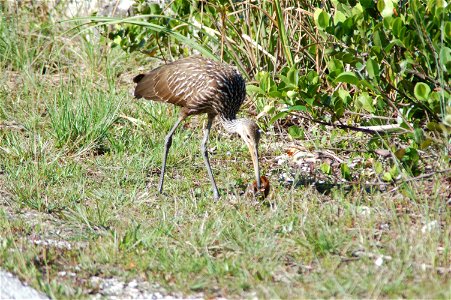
163,84
181,83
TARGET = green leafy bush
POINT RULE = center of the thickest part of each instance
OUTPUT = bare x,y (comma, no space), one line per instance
372,58
396,56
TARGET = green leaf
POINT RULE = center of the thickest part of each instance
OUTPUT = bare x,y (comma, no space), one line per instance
335,67
309,101
262,76
297,108
325,168
400,153
422,91
385,7
296,132
447,30
366,102
278,116
394,171
394,42
254,89
339,17
447,120
372,67
287,82
284,79
387,177
348,77
426,143
378,168
418,135
291,94
117,40
367,3
368,85
313,77
356,10
380,5
293,76
379,38
411,156
348,57
445,58
344,94
433,126
275,94
345,171
397,26
268,109
322,18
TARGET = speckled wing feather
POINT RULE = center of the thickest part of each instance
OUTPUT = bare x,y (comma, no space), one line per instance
195,83
161,85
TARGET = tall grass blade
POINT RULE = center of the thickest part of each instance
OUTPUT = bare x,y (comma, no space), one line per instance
283,34
136,20
81,122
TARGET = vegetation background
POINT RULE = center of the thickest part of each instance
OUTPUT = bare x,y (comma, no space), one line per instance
354,98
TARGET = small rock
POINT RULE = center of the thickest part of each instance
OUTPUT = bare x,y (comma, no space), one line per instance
364,211
379,261
429,226
384,226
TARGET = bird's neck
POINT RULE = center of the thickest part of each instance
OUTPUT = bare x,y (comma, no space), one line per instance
230,124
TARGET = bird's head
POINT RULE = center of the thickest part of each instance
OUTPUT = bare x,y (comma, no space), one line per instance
250,133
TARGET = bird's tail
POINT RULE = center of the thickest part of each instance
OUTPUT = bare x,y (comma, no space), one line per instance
138,78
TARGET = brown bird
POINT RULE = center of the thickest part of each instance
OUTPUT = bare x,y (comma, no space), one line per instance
201,85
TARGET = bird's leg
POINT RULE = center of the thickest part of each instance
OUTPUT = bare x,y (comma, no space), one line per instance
204,151
167,145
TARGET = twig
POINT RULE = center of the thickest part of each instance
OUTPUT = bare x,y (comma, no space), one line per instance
367,129
348,150
115,8
427,175
370,116
385,128
328,153
422,176
425,77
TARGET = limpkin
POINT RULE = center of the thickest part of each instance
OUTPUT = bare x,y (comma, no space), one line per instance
201,85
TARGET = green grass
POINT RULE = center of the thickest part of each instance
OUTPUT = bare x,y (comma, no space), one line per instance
84,169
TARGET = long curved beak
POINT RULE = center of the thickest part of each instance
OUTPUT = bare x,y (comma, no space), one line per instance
253,149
